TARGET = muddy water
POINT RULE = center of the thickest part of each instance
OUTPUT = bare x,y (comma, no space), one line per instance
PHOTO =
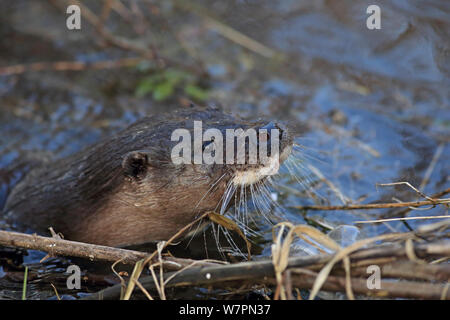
374,105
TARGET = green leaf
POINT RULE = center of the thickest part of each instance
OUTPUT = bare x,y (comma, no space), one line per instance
145,86
163,91
24,287
196,92
174,76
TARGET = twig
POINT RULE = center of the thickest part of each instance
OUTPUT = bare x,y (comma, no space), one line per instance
403,219
56,291
376,205
122,281
434,196
122,10
106,10
68,66
430,168
330,184
140,286
409,185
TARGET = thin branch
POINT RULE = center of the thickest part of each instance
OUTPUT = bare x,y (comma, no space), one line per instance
406,183
430,168
434,196
404,219
376,205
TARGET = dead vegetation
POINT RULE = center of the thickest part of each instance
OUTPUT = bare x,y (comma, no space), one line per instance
411,265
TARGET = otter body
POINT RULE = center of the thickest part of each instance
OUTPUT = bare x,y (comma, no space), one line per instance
126,190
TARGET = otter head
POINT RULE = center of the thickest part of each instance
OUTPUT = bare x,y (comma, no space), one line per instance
193,162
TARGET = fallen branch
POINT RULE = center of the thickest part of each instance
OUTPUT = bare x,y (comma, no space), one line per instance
60,247
400,289
68,66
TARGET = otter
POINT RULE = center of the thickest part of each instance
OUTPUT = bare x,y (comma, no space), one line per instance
126,190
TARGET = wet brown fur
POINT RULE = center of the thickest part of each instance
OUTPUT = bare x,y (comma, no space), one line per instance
96,196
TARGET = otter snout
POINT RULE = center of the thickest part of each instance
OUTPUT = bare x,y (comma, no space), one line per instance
274,145
283,137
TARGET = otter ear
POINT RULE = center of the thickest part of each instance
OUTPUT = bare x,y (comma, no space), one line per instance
135,164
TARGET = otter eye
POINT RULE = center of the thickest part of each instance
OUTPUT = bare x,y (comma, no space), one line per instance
135,164
207,143
264,136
